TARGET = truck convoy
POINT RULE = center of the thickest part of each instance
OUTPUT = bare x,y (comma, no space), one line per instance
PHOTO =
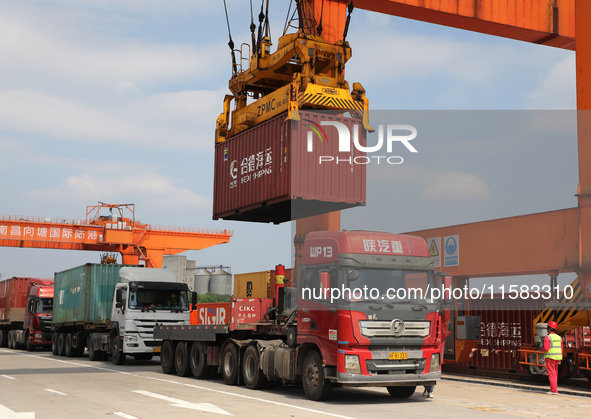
25,312
112,309
362,316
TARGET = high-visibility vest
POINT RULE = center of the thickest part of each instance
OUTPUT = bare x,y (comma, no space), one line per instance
555,351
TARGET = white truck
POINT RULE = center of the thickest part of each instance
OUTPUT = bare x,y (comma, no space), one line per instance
112,310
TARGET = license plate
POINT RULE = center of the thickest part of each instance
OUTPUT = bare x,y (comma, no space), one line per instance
398,355
155,349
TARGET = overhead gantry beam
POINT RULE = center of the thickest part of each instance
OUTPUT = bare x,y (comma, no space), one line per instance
546,22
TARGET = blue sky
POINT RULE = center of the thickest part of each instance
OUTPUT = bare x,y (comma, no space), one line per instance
116,101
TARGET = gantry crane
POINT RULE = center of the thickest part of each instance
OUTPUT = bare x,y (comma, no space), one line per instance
115,232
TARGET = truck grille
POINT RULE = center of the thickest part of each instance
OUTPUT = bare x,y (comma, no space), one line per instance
45,323
393,367
383,329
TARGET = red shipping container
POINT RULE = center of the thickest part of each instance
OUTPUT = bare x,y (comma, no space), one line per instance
282,170
505,325
13,297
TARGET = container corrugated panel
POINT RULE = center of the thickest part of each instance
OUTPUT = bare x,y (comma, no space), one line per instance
84,295
13,297
505,325
252,284
268,174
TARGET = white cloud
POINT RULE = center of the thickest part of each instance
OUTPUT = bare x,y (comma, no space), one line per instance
456,186
122,182
557,89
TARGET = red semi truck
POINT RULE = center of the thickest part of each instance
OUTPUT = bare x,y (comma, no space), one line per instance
353,319
26,306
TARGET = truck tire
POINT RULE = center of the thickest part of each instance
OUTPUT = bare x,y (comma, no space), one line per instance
316,386
61,344
68,350
29,345
230,364
198,361
93,355
3,338
401,392
251,370
167,358
54,343
181,360
117,353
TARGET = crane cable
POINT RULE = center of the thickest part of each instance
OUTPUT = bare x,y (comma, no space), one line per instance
231,43
319,29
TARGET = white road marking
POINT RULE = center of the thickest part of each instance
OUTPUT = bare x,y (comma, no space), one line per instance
144,377
124,415
55,391
6,413
204,407
8,376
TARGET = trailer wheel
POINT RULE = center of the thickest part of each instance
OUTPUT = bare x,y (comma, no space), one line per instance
61,344
54,343
167,358
251,370
230,364
117,352
314,381
68,350
3,338
198,361
401,392
181,360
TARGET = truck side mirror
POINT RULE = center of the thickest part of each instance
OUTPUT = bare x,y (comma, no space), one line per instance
194,301
118,298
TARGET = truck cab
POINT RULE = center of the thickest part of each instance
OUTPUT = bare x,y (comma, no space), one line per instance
366,306
143,298
38,316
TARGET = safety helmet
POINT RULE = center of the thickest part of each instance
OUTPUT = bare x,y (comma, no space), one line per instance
553,325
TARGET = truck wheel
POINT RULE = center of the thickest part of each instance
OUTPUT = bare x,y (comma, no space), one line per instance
230,365
54,343
117,353
3,338
198,361
68,350
401,392
93,355
181,360
315,384
61,344
28,343
251,370
167,358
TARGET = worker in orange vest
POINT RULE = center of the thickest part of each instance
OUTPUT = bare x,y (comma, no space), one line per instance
553,351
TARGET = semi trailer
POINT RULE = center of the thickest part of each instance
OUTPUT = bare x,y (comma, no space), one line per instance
25,312
112,309
360,313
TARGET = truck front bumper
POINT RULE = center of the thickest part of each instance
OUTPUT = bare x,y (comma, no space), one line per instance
389,379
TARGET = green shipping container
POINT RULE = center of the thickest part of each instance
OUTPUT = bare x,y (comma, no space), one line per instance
84,295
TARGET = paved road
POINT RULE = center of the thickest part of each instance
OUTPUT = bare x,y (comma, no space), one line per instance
39,385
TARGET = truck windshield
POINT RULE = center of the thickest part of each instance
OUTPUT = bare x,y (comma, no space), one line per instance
389,284
158,299
44,305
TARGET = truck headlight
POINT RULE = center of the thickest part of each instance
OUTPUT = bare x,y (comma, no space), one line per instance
352,364
130,338
435,365
39,335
